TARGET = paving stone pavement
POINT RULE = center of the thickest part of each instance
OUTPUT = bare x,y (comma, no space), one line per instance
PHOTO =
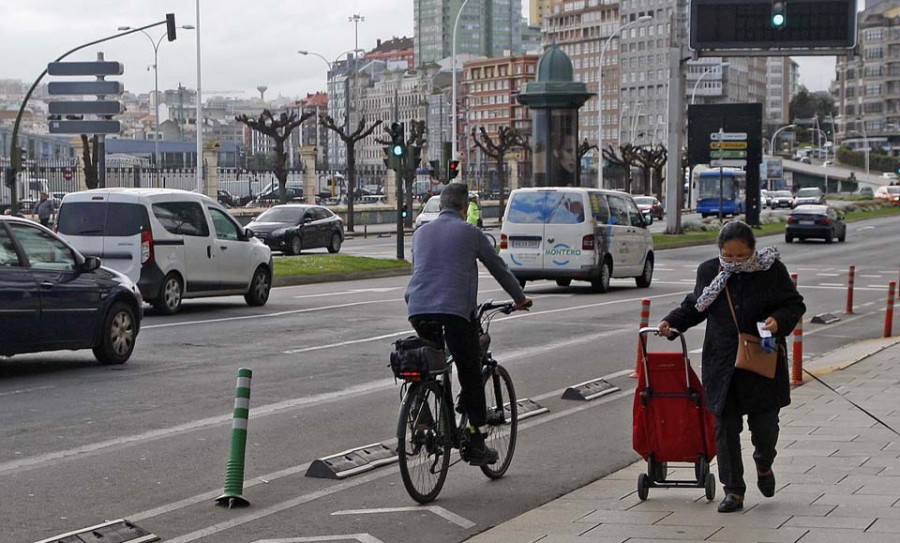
837,472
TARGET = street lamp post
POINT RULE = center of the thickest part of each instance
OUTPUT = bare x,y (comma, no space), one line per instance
640,19
454,143
707,71
865,142
155,44
775,137
199,123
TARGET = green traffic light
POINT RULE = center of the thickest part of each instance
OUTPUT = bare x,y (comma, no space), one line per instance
397,150
778,20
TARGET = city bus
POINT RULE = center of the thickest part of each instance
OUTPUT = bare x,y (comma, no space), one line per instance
733,192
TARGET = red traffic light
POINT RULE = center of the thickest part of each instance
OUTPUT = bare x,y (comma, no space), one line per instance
452,169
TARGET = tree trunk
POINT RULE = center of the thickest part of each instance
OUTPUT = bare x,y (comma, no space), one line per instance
648,180
281,170
501,181
408,200
351,182
628,179
91,161
659,183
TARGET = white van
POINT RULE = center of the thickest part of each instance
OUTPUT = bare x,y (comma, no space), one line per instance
174,244
567,233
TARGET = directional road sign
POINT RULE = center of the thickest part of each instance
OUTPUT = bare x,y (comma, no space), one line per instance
85,68
97,88
84,127
728,136
728,145
85,107
728,154
727,163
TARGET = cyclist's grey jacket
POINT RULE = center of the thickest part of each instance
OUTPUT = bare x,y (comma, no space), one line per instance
445,271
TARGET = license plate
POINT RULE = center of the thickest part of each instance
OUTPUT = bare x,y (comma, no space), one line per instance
807,222
525,243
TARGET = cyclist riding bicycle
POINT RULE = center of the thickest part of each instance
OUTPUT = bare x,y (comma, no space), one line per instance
444,289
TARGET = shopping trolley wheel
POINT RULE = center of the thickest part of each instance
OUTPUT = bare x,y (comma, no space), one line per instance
643,486
710,487
701,469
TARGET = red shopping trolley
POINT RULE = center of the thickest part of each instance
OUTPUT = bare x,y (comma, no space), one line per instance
671,423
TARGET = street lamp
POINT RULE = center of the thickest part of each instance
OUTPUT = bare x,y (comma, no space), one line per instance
640,19
454,139
775,137
330,64
155,44
708,70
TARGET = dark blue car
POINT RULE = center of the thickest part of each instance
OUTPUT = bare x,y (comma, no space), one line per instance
53,298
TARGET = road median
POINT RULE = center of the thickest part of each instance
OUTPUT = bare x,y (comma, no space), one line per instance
322,268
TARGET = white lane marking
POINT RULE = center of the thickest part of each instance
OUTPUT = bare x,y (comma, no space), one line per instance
806,269
663,269
828,274
460,521
867,304
348,292
866,228
879,287
306,498
871,276
351,342
831,285
362,538
26,390
818,287
882,271
264,410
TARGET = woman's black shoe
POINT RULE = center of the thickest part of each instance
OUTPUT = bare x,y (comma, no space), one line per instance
731,503
766,483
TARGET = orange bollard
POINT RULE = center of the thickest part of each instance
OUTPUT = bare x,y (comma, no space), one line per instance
645,322
797,366
889,314
850,280
794,279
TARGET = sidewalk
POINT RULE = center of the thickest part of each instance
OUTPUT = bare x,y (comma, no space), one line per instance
837,471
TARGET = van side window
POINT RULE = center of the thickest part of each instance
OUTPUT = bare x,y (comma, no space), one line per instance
599,207
565,208
185,218
225,227
634,214
618,211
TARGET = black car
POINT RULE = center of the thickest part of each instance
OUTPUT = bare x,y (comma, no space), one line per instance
291,228
817,222
53,298
267,199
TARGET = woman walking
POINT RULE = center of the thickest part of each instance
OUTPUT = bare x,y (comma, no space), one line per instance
741,291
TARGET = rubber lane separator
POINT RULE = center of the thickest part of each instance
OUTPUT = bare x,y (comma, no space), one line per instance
589,390
115,531
352,462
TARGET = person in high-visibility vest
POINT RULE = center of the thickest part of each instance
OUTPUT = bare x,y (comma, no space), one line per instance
473,216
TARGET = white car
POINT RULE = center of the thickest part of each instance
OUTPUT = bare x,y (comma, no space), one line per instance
430,211
890,175
174,244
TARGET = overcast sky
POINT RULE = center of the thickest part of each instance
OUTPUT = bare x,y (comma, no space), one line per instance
244,43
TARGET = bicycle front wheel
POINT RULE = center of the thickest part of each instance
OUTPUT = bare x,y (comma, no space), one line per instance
502,419
423,441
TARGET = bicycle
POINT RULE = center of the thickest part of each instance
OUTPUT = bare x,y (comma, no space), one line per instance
428,427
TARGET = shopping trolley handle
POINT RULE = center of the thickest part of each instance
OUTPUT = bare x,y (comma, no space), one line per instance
654,329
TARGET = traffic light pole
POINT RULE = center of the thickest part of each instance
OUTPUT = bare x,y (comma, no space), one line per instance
401,178
13,143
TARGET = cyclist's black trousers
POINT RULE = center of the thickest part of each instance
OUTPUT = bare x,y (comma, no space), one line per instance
462,339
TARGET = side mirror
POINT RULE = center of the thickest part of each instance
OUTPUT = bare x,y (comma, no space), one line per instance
91,263
648,218
247,233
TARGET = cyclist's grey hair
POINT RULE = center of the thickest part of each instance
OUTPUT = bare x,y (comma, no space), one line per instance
455,196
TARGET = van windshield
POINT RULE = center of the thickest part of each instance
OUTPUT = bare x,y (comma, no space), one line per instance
546,207
808,193
433,205
102,219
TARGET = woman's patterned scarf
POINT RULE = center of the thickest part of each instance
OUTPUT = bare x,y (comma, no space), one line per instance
760,261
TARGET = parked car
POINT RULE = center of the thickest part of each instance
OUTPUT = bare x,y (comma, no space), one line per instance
809,196
649,205
888,194
568,233
815,221
227,199
865,190
174,244
430,211
53,298
292,228
890,175
782,198
805,160
268,199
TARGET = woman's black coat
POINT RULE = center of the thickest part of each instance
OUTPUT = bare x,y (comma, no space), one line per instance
756,297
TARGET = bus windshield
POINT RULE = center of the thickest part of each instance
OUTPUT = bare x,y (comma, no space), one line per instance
709,187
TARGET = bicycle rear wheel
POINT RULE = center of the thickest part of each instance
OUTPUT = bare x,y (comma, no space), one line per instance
423,441
503,419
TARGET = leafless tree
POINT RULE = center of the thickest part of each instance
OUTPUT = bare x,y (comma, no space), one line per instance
350,139
278,130
625,156
91,161
507,140
652,160
584,148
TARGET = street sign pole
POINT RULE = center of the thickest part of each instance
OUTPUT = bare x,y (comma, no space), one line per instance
721,183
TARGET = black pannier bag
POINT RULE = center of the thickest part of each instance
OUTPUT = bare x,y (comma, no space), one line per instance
414,357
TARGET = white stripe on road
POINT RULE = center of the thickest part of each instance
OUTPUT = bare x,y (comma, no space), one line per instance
26,390
460,521
828,274
351,342
831,285
871,276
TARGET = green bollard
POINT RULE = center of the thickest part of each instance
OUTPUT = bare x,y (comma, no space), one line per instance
234,473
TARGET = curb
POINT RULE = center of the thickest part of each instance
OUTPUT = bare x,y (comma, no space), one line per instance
295,280
867,348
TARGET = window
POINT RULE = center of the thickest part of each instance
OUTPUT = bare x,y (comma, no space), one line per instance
618,211
102,219
43,251
225,227
321,213
599,207
185,218
8,256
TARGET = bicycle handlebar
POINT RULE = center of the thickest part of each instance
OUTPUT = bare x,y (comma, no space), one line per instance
505,307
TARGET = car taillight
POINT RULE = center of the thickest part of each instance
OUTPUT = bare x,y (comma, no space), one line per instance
587,243
146,247
504,241
790,220
824,220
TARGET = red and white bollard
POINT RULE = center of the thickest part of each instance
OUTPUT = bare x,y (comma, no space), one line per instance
889,314
851,277
797,365
794,279
645,322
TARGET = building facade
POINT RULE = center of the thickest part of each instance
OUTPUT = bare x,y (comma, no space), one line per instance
782,84
867,87
489,28
394,49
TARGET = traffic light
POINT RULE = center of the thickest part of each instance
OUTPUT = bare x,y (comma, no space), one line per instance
779,17
404,211
452,169
170,26
434,168
398,141
9,176
388,160
415,157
